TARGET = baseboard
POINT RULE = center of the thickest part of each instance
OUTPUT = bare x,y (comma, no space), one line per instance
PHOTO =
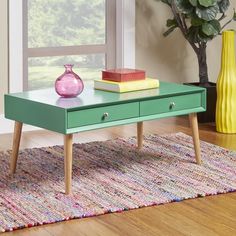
7,126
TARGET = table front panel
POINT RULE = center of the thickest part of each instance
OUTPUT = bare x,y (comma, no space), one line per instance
170,104
101,115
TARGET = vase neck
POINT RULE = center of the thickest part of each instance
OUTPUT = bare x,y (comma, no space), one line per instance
228,53
68,68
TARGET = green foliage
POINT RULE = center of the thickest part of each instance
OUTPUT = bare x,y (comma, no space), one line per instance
199,20
65,22
172,24
193,2
195,21
58,23
207,13
211,28
44,76
223,5
207,3
184,6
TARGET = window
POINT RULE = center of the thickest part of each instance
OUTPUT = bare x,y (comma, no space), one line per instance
45,35
59,32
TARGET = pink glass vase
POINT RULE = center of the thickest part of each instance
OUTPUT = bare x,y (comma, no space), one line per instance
69,84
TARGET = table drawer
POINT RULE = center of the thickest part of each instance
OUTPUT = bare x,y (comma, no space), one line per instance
170,104
102,114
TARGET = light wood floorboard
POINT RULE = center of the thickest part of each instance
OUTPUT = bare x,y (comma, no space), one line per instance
214,215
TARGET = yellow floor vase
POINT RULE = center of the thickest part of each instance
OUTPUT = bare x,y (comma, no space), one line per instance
226,87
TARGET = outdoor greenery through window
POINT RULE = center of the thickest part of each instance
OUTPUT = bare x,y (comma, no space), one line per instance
63,24
44,71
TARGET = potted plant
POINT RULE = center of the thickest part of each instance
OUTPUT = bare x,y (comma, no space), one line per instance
200,21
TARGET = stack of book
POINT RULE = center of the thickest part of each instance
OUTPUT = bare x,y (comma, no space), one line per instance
125,80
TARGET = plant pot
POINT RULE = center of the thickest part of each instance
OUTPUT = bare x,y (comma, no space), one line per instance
209,114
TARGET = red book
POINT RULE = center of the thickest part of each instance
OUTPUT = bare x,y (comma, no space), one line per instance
123,75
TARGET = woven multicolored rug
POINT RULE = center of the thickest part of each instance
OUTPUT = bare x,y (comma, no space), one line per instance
110,176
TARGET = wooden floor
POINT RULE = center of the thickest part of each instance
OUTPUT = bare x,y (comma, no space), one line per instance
215,215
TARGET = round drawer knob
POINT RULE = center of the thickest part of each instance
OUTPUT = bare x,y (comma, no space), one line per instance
172,105
105,115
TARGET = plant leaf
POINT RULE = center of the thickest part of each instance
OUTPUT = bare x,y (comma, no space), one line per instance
216,25
169,31
193,2
223,5
211,28
184,6
207,14
193,34
195,21
171,22
208,29
207,3
203,37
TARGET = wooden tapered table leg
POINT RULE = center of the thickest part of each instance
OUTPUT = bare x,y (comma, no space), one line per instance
194,125
68,142
140,134
15,146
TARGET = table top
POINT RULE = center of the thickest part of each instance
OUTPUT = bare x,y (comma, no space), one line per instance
46,109
90,97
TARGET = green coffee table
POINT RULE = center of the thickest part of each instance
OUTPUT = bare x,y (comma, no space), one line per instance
95,109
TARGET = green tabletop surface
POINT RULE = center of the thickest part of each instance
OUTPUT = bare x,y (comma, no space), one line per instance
46,109
92,98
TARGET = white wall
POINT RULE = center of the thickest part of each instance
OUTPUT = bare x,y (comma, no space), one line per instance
171,58
3,51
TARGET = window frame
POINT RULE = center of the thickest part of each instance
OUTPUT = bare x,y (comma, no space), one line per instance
119,47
